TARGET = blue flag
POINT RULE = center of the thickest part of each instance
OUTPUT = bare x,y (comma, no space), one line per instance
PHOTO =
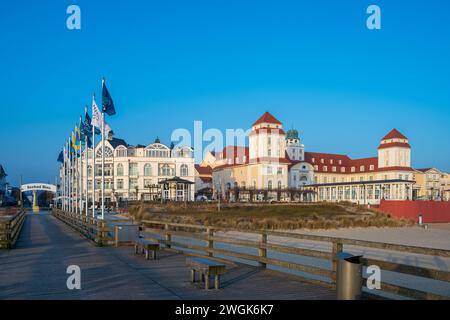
87,124
107,102
61,157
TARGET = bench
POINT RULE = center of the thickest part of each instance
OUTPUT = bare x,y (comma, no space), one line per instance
206,268
146,246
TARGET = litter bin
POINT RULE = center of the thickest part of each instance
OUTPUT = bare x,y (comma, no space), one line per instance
349,276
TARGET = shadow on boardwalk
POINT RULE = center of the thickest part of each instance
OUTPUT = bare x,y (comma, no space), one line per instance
36,269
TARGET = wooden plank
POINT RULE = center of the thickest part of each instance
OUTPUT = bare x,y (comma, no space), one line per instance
408,269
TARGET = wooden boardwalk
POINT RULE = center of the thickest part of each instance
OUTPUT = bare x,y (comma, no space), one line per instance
36,269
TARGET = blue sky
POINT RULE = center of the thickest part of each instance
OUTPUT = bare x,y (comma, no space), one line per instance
313,64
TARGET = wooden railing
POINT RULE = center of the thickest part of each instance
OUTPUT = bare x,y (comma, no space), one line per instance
10,227
93,229
164,232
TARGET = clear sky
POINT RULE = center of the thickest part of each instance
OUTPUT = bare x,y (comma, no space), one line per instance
313,64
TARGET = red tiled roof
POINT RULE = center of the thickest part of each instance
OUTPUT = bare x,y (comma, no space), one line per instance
268,130
203,170
267,118
346,163
394,144
394,134
206,179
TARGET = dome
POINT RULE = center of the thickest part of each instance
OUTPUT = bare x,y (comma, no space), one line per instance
292,134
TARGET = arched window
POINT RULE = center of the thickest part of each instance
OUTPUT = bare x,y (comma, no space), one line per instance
119,170
165,170
279,184
157,150
108,153
89,171
269,185
184,170
148,170
121,151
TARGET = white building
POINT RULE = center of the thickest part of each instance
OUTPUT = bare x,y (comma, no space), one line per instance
140,172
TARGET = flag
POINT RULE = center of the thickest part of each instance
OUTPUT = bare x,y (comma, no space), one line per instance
97,117
89,142
76,139
61,157
87,124
97,120
107,102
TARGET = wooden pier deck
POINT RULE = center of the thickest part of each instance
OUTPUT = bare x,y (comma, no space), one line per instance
36,269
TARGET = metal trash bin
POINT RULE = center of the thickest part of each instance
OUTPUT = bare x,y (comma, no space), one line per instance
349,276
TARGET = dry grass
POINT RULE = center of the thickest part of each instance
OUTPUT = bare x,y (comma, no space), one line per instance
268,216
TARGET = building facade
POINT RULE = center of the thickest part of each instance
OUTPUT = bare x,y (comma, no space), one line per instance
275,166
3,184
432,184
149,173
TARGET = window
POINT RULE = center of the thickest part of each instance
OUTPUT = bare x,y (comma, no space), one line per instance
353,169
269,152
279,184
322,161
133,183
269,170
166,170
108,153
331,161
325,179
280,170
316,167
119,170
313,160
325,168
184,170
342,169
147,183
121,152
89,171
119,183
269,184
372,167
361,168
334,169
133,169
147,170
157,151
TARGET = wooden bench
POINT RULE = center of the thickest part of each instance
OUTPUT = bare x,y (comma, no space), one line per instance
206,268
146,246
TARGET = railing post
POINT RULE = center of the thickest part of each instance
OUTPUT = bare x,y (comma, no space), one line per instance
262,251
337,248
8,235
116,235
168,236
210,234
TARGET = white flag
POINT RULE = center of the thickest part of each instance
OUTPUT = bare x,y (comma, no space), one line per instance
97,117
97,120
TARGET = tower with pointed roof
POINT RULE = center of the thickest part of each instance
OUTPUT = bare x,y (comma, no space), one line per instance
267,139
294,148
394,151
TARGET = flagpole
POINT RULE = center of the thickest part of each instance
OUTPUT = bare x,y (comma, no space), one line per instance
93,172
63,205
86,159
70,180
80,167
103,165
